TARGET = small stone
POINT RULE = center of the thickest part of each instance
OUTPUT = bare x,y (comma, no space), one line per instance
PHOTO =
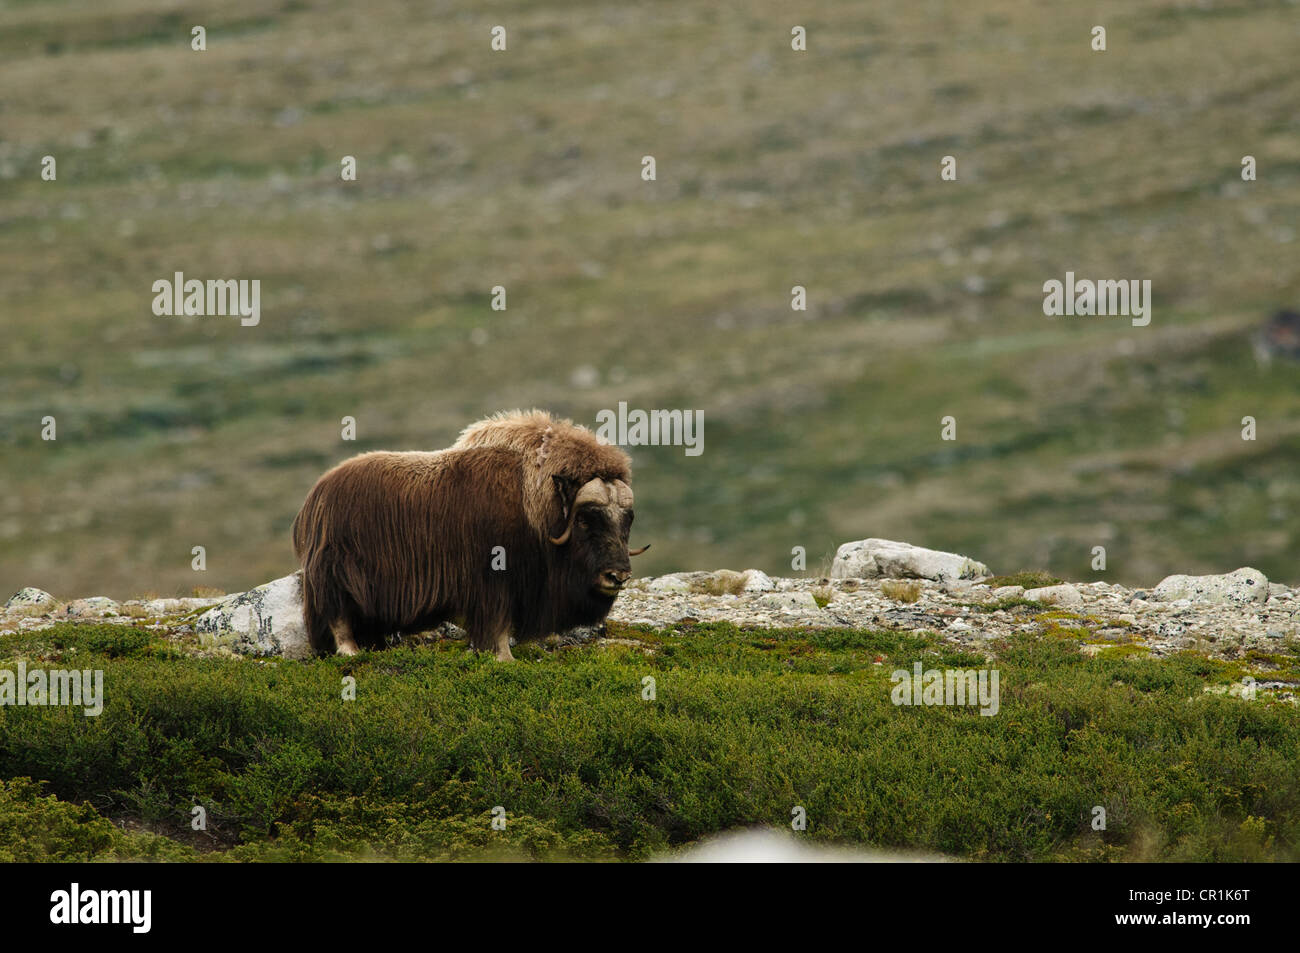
1062,595
758,581
575,636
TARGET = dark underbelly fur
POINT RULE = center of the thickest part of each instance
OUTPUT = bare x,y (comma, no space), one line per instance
380,633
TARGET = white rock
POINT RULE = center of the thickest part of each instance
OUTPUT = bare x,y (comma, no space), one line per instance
1008,592
263,621
31,597
94,607
758,581
789,601
871,558
670,583
1062,595
1239,587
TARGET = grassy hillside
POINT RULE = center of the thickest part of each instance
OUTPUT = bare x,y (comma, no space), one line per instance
744,726
775,169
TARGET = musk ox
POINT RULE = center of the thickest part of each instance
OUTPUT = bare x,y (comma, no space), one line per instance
520,529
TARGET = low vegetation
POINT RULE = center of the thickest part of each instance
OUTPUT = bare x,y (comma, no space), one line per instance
1029,579
743,726
724,582
901,590
1005,604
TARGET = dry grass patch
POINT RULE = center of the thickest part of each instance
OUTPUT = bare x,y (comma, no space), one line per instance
901,590
724,582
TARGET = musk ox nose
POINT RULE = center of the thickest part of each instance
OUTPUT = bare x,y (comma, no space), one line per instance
614,578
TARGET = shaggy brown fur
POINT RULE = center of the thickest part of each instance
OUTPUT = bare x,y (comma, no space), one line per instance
553,449
400,542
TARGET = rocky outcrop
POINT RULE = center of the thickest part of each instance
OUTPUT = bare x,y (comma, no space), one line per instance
975,616
31,598
1230,616
1240,587
717,582
263,621
94,607
877,558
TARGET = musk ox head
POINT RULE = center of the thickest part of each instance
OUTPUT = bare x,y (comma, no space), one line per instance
576,491
597,520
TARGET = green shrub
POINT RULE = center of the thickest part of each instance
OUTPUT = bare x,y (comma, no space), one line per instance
66,639
38,829
744,724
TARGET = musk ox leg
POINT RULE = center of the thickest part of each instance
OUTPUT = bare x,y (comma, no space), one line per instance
501,646
489,628
344,641
321,606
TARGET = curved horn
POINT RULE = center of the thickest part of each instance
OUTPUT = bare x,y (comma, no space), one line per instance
593,491
622,494
638,552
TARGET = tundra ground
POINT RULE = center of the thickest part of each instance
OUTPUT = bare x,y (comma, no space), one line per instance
743,727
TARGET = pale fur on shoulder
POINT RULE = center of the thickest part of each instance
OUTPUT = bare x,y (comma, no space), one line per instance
550,447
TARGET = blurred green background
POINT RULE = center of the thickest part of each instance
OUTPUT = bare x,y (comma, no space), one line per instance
775,169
